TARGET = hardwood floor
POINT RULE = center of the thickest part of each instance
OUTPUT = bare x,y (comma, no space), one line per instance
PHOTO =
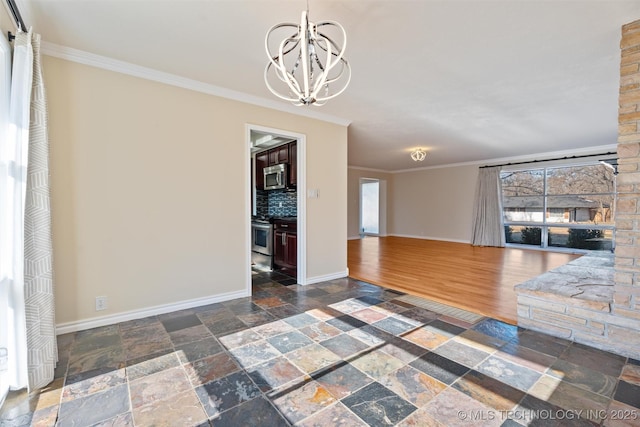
477,279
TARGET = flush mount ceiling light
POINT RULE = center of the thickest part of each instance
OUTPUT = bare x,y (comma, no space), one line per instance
418,155
309,65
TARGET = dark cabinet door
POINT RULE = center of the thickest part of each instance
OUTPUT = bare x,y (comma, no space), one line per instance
279,249
291,250
279,155
293,164
262,161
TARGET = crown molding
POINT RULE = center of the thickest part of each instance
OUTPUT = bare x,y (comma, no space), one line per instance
105,63
540,157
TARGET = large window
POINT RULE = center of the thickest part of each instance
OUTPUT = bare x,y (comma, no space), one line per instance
561,207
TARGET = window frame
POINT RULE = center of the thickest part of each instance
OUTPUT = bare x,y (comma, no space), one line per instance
546,225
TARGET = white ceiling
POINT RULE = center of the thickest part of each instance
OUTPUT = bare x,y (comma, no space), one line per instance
466,80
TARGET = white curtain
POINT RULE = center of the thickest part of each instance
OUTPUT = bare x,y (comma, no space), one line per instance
27,322
488,224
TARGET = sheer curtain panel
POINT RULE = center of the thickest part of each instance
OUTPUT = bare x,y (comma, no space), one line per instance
27,322
488,224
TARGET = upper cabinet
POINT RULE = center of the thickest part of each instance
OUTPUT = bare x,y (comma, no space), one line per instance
279,155
293,164
262,161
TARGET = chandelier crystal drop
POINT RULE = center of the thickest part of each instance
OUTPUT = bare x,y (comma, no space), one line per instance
309,65
418,155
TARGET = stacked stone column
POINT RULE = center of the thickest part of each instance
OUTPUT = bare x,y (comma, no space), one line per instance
626,305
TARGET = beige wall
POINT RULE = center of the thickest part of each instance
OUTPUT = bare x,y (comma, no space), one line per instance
353,223
148,191
433,203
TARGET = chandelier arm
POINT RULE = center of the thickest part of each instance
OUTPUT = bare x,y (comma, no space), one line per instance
335,45
322,79
273,91
304,51
290,80
326,98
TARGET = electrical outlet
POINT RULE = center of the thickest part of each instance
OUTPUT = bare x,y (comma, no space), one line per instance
101,303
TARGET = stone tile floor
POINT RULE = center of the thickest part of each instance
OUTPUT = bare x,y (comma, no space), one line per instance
339,353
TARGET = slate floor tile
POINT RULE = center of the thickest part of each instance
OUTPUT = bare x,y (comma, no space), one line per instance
176,323
320,331
413,385
256,412
225,393
377,364
254,353
344,345
377,405
274,373
444,328
631,374
210,368
159,386
394,326
598,360
582,377
439,367
239,338
289,341
346,323
510,373
272,329
301,320
426,338
493,393
187,335
568,396
452,408
461,353
336,415
546,344
524,356
497,329
342,379
81,387
403,349
94,408
159,363
628,393
313,358
183,409
198,350
302,402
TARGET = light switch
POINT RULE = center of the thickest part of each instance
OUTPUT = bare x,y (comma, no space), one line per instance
313,193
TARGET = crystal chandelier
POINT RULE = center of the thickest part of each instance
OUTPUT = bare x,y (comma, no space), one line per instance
418,155
309,65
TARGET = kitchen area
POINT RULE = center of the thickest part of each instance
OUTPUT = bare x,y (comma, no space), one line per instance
274,206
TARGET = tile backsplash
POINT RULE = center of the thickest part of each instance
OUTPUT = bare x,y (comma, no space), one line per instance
276,203
282,203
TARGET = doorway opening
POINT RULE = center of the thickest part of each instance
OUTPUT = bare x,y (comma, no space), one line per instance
369,207
276,206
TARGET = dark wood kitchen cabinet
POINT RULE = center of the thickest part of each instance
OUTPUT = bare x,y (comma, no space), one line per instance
293,164
262,161
285,247
279,155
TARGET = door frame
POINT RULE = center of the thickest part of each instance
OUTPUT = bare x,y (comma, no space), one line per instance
301,200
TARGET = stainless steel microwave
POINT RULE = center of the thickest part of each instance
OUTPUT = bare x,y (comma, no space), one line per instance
275,177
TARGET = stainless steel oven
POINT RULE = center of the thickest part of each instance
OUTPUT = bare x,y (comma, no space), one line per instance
262,237
261,243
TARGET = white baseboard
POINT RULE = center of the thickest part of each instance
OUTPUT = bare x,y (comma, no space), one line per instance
326,277
353,238
431,238
95,322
